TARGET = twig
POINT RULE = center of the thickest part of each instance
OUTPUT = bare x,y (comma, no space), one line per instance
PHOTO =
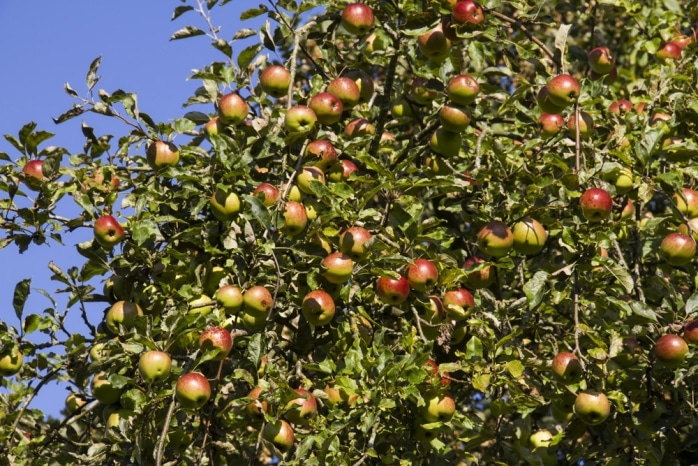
371,441
418,320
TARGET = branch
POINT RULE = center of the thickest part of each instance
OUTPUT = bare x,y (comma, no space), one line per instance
519,25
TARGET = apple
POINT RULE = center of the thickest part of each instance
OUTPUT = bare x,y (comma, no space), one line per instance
434,45
302,409
562,408
563,90
346,90
620,107
224,204
354,242
232,109
295,218
467,12
318,308
478,276
122,313
359,127
671,350
586,125
342,170
102,179
669,51
592,407
327,107
230,298
192,390
337,267
690,332
300,119
446,143
402,108
213,127
596,204
34,175
422,275
268,192
253,321
108,232
546,104
257,300
463,89
74,402
321,153
103,390
540,443
257,408
628,211
458,303
437,378
309,174
424,91
154,366
529,236
687,202
566,368
275,80
454,118
622,179
357,18
200,305
550,124
495,239
433,313
392,291
216,339
10,363
683,41
440,406
161,154
601,60
678,249
364,82
279,433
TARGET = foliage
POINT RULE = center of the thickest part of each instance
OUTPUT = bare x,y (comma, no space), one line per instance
600,290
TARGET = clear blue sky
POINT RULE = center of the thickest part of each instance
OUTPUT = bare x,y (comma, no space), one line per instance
45,44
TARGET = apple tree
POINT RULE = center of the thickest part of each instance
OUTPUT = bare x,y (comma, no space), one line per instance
391,232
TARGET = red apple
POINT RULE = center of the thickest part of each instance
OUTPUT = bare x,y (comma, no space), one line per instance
546,104
392,291
687,202
192,390
354,242
302,409
440,406
586,125
364,83
318,308
327,107
463,89
467,12
678,249
690,332
671,350
34,174
479,276
343,170
216,339
422,275
458,303
279,433
454,118
154,366
257,300
359,127
269,192
550,124
601,60
346,90
256,408
563,90
357,18
321,153
108,232
596,204
295,218
275,80
161,154
232,109
620,107
566,368
337,268
669,51
434,45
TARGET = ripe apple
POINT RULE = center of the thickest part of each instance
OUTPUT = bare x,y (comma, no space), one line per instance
300,119
455,118
586,125
213,127
392,291
103,179
108,232
596,204
495,239
678,249
342,170
671,350
479,276
161,154
302,409
357,19
268,192
546,104
318,308
467,12
346,90
529,236
592,408
458,303
257,300
216,339
440,406
359,127
224,204
364,82
230,298
275,80
620,107
295,218
463,89
687,202
308,175
200,305
327,107
601,60
683,41
422,275
321,153
10,364
669,51
34,174
446,143
232,109
74,402
354,242
103,390
566,368
337,267
563,90
154,366
550,124
434,45
192,390
122,313
279,433
690,332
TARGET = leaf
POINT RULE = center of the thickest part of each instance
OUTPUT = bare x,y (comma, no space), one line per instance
618,271
259,211
180,10
247,55
692,303
515,368
535,287
185,32
643,310
473,349
254,12
561,38
92,77
20,296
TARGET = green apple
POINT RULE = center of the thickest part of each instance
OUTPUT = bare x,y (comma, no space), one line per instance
154,366
671,350
337,268
201,305
592,408
495,239
422,275
232,109
279,433
463,89
529,236
275,80
253,321
108,232
224,204
454,118
230,298
300,119
192,390
446,143
257,300
103,390
318,308
74,402
10,363
213,127
122,313
308,175
540,446
424,91
440,406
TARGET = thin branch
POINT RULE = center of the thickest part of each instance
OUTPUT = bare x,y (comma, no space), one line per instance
519,25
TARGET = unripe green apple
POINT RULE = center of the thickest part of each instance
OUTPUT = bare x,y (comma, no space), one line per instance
161,154
671,350
622,179
216,339
122,313
108,232
592,408
192,390
308,175
155,366
495,239
392,291
10,364
402,108
566,368
529,236
300,119
232,109
103,390
440,406
337,268
318,308
422,275
424,91
224,204
357,19
257,300
253,321
295,218
678,249
279,433
230,298
275,80
354,242
74,402
446,143
201,305
213,127
540,446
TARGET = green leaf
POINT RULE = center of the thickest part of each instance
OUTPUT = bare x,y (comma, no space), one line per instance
535,287
692,304
20,296
185,32
247,55
254,12
473,349
515,368
92,77
643,310
180,10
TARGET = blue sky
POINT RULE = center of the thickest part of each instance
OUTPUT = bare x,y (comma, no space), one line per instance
43,45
